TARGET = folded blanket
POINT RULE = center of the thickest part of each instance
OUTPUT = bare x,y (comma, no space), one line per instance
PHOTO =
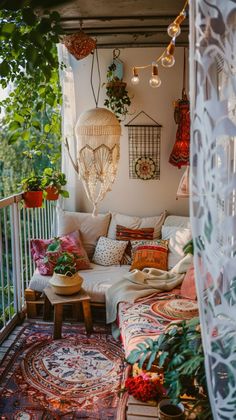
137,284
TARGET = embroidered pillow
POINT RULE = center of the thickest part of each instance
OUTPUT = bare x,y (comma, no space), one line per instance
46,261
109,251
126,234
151,254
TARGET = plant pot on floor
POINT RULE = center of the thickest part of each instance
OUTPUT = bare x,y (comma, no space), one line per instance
169,411
52,193
65,285
33,199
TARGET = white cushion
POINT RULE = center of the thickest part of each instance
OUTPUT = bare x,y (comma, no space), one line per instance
96,281
109,251
90,227
177,221
178,237
135,222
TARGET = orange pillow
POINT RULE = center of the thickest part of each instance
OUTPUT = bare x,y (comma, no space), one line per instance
126,234
151,255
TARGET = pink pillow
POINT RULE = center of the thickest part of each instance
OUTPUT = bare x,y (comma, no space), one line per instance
70,243
188,288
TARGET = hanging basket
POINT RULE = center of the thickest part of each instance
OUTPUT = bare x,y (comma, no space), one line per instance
80,45
117,88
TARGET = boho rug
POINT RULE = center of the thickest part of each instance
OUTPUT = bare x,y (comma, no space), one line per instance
76,377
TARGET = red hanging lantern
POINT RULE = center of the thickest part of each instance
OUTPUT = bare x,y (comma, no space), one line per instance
180,152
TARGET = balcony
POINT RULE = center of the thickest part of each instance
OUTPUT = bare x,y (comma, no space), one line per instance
17,226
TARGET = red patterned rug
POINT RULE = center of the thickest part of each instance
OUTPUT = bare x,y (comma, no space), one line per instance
76,377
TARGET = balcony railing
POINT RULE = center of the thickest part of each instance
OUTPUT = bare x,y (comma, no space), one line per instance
17,226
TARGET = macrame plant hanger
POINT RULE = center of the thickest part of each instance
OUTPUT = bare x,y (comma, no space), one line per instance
180,152
144,148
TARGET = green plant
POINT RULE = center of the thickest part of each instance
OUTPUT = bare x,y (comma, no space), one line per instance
179,351
32,183
56,179
117,99
66,264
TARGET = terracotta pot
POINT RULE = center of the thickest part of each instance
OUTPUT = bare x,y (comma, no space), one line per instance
52,193
65,285
33,199
169,411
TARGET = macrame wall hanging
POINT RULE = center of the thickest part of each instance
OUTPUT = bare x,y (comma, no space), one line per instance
144,149
180,152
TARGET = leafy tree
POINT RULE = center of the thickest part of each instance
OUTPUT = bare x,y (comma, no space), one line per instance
28,62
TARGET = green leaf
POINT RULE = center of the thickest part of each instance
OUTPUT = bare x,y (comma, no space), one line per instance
47,128
25,135
18,118
4,68
64,194
8,28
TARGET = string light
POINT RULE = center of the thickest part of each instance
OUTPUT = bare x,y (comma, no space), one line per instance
167,58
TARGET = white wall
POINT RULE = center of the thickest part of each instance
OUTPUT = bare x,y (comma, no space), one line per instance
131,196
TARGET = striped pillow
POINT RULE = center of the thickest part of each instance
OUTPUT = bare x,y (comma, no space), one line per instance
151,254
126,234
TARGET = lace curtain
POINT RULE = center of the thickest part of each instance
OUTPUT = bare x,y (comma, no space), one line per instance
213,191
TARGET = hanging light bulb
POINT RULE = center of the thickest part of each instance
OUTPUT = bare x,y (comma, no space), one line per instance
173,29
135,79
168,60
155,80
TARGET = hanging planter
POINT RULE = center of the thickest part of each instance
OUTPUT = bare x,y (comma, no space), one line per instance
33,191
33,199
52,193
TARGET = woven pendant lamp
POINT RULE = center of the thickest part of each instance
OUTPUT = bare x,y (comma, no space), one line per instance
98,143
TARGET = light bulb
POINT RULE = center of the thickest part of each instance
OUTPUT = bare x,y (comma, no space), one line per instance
155,81
168,60
135,80
173,29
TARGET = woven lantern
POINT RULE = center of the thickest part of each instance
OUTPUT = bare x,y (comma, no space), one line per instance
98,142
79,45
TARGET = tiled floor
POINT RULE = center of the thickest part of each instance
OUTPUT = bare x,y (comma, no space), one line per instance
7,343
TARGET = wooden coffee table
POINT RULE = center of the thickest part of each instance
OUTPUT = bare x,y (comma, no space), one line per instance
57,301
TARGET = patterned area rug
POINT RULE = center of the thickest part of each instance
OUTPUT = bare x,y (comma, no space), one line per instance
76,377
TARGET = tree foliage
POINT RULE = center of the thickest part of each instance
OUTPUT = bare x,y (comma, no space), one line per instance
28,64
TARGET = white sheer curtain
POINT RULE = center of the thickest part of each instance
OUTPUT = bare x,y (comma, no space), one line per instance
68,124
213,191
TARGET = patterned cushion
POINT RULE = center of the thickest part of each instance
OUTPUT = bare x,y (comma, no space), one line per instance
109,251
70,243
152,254
126,234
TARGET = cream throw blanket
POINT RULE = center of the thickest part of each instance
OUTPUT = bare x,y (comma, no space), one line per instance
136,284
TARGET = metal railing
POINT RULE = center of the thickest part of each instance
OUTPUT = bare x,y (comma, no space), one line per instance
18,226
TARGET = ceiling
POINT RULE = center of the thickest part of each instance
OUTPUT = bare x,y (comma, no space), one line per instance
124,23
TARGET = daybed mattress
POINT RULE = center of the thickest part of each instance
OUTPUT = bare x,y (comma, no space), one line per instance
96,280
137,321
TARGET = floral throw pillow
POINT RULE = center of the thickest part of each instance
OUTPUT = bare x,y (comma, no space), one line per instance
46,260
151,254
109,251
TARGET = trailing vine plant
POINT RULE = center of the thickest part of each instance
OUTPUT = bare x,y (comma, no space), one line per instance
118,99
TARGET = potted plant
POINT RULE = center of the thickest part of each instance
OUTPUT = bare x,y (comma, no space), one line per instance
66,279
52,183
33,191
117,99
179,352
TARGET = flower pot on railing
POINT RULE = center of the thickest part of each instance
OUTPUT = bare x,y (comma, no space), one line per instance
33,199
52,193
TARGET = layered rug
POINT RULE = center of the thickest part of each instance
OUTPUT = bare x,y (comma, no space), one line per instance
76,377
